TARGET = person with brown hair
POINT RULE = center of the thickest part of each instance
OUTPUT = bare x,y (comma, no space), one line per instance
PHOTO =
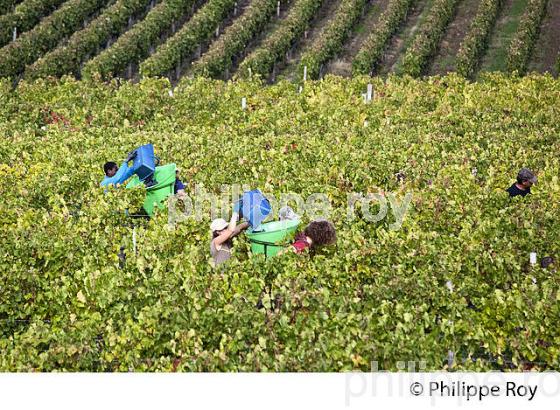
318,233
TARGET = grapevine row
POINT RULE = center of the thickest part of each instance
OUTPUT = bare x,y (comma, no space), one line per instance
45,36
369,56
332,37
198,29
235,38
476,40
262,60
522,44
425,43
134,45
24,17
6,6
67,58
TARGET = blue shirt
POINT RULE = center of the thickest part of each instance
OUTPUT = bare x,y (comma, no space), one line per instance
121,176
178,185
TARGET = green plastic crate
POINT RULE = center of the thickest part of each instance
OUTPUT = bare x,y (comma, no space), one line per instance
271,237
156,195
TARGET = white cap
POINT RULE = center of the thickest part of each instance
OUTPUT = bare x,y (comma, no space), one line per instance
218,224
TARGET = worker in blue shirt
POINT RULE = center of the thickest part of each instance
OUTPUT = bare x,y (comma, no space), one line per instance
115,175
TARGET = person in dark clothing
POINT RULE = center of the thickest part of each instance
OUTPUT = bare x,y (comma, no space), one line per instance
178,187
548,262
525,180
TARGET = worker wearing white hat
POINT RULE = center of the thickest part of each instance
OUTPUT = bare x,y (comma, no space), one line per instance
222,235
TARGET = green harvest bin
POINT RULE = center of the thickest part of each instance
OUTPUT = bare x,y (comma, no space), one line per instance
271,237
157,194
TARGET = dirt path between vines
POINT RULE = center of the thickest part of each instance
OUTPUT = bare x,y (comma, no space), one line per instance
401,40
444,61
228,21
265,32
495,58
547,46
288,68
342,64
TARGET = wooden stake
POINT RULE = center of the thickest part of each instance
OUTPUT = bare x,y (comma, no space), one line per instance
14,34
134,240
305,73
533,258
278,9
244,103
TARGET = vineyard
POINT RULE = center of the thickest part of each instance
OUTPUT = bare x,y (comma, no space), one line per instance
84,287
287,39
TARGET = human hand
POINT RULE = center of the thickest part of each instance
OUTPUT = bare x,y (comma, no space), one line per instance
131,156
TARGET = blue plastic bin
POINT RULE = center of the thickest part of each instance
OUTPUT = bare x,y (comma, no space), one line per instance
144,164
255,207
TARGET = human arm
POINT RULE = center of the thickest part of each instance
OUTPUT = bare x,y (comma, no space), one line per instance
121,176
229,231
126,172
240,228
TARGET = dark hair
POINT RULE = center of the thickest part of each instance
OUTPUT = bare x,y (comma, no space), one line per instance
547,261
321,233
524,175
109,166
229,242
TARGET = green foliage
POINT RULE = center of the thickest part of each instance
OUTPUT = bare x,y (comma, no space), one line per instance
425,43
378,294
6,6
331,39
234,39
68,57
199,28
262,60
476,40
24,17
522,44
374,46
134,45
45,36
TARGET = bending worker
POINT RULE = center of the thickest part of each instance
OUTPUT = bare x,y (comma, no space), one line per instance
115,175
